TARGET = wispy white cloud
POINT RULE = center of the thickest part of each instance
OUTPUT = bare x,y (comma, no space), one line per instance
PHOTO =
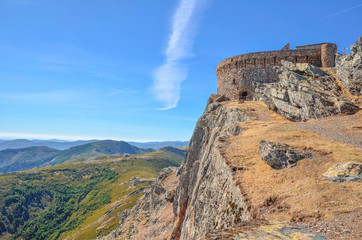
343,11
169,76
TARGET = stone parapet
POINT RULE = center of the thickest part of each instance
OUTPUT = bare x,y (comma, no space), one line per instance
237,75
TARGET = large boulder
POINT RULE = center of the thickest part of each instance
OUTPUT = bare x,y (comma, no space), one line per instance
342,172
305,92
278,155
349,68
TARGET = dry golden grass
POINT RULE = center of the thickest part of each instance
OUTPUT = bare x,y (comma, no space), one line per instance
298,193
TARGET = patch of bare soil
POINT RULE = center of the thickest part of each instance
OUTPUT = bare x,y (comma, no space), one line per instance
343,226
346,129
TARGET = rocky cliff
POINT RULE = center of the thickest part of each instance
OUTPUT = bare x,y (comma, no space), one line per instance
349,68
207,197
152,217
205,187
264,170
304,92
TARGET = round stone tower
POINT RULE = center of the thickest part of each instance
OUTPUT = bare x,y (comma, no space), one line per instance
238,75
328,53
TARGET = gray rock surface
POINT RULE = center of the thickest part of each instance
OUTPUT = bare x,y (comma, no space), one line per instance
200,196
152,217
207,197
342,172
349,68
279,156
305,92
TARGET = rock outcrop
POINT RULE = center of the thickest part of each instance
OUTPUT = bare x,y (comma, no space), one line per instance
305,92
349,68
207,197
342,172
279,156
224,190
152,217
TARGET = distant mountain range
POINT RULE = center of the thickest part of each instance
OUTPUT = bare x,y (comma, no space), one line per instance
66,200
158,145
25,158
62,145
97,148
40,156
24,143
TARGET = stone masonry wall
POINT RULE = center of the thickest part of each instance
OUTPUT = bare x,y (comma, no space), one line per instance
236,75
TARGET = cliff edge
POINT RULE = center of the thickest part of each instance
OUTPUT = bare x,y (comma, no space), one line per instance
287,167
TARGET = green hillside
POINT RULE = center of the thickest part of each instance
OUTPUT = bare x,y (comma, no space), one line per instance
96,149
25,158
81,199
12,160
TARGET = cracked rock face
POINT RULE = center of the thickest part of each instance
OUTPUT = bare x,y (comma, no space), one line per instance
207,198
305,92
200,196
152,217
279,156
349,68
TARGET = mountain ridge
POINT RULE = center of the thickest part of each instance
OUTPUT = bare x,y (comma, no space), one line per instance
67,200
63,145
40,156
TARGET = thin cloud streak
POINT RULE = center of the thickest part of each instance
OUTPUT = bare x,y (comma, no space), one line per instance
169,76
343,11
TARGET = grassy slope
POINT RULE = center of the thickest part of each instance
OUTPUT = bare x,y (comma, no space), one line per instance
299,193
79,200
34,157
96,149
25,158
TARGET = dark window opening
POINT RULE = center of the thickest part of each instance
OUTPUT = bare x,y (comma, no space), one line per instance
234,81
307,59
243,95
275,60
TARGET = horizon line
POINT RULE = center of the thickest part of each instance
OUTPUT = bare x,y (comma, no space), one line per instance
46,137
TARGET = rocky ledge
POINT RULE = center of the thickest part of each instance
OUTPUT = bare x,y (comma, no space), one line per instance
349,68
152,217
305,92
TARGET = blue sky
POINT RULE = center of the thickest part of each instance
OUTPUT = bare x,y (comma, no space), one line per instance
139,70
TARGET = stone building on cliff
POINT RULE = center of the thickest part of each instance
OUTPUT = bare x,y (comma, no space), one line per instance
238,75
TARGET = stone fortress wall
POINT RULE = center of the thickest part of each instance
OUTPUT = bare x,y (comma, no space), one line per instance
237,74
